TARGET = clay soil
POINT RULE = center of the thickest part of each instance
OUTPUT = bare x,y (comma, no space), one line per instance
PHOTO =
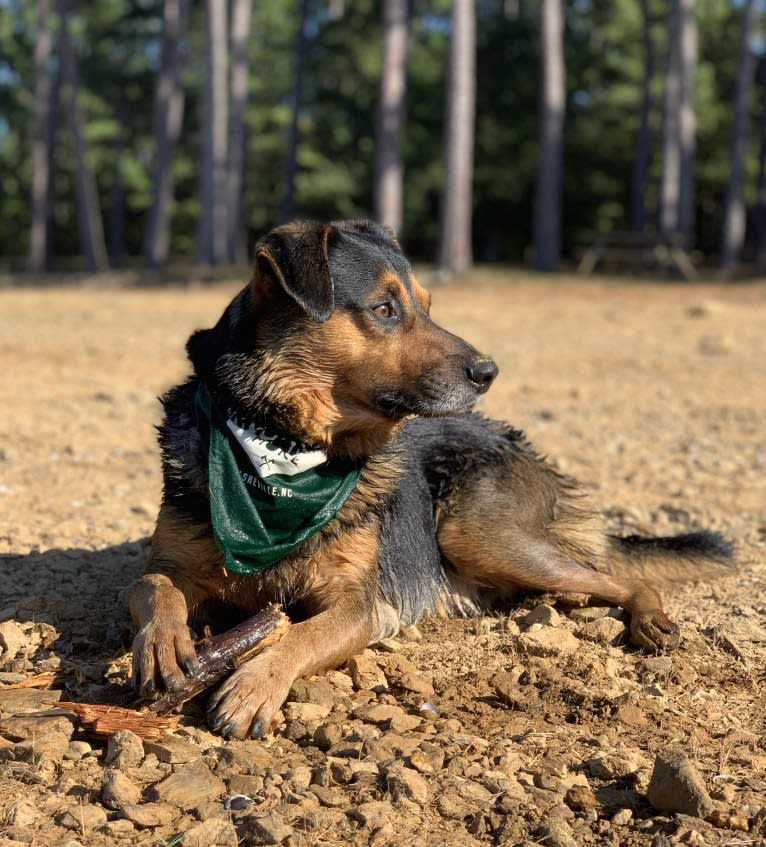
540,729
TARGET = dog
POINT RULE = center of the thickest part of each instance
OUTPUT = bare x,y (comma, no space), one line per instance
324,455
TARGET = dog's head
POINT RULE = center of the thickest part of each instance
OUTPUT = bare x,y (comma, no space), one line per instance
332,340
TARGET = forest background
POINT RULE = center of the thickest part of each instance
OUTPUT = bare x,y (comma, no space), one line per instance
136,132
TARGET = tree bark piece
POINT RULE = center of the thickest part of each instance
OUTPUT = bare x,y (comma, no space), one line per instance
221,654
106,720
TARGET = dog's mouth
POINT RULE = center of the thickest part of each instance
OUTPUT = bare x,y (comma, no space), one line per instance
429,401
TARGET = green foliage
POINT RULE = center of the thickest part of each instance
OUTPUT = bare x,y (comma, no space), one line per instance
118,46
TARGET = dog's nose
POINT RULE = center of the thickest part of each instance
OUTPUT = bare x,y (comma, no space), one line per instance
481,372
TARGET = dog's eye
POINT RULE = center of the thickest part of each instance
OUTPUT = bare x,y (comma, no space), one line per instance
385,311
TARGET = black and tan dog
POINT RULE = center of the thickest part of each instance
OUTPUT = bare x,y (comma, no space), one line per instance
324,456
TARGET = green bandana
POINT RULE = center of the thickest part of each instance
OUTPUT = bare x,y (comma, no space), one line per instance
267,494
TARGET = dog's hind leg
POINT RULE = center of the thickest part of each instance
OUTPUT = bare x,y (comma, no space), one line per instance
505,539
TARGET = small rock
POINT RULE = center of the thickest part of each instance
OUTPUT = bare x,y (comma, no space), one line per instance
580,797
451,806
306,713
614,766
12,639
149,815
172,750
332,798
365,673
15,701
549,641
623,817
427,758
557,833
190,786
299,777
23,727
22,814
607,630
542,614
118,791
83,817
327,734
214,832
406,784
513,695
268,829
374,814
124,750
416,683
77,750
388,645
676,786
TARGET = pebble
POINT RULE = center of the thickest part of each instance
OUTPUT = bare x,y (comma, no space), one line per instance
82,817
150,815
427,758
118,791
190,786
406,784
543,614
306,713
607,630
12,640
374,813
580,797
623,817
172,750
557,833
676,786
212,833
268,829
22,814
365,673
548,641
124,750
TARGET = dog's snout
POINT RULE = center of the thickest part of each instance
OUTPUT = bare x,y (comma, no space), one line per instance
481,372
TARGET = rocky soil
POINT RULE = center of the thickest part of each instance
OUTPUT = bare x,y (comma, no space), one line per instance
538,726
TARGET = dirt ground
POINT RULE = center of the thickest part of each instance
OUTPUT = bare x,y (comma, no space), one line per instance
539,726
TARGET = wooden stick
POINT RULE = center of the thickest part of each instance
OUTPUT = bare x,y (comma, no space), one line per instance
220,654
106,720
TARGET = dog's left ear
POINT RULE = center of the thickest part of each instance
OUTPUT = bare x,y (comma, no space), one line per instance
296,257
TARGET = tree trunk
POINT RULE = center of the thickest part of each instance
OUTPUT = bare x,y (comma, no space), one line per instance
212,238
643,151
687,128
678,142
168,116
42,142
759,223
291,155
241,16
117,194
88,212
455,254
389,166
547,215
734,204
671,141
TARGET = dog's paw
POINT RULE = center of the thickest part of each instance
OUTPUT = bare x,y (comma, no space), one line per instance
654,631
163,657
246,704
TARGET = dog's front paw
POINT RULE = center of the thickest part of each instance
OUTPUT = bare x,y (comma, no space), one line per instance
247,703
654,631
163,656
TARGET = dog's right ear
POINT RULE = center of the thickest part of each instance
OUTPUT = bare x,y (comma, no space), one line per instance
296,257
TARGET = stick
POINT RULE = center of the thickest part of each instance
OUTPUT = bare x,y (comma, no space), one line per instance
106,720
220,654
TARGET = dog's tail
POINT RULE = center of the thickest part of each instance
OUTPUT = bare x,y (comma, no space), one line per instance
668,559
